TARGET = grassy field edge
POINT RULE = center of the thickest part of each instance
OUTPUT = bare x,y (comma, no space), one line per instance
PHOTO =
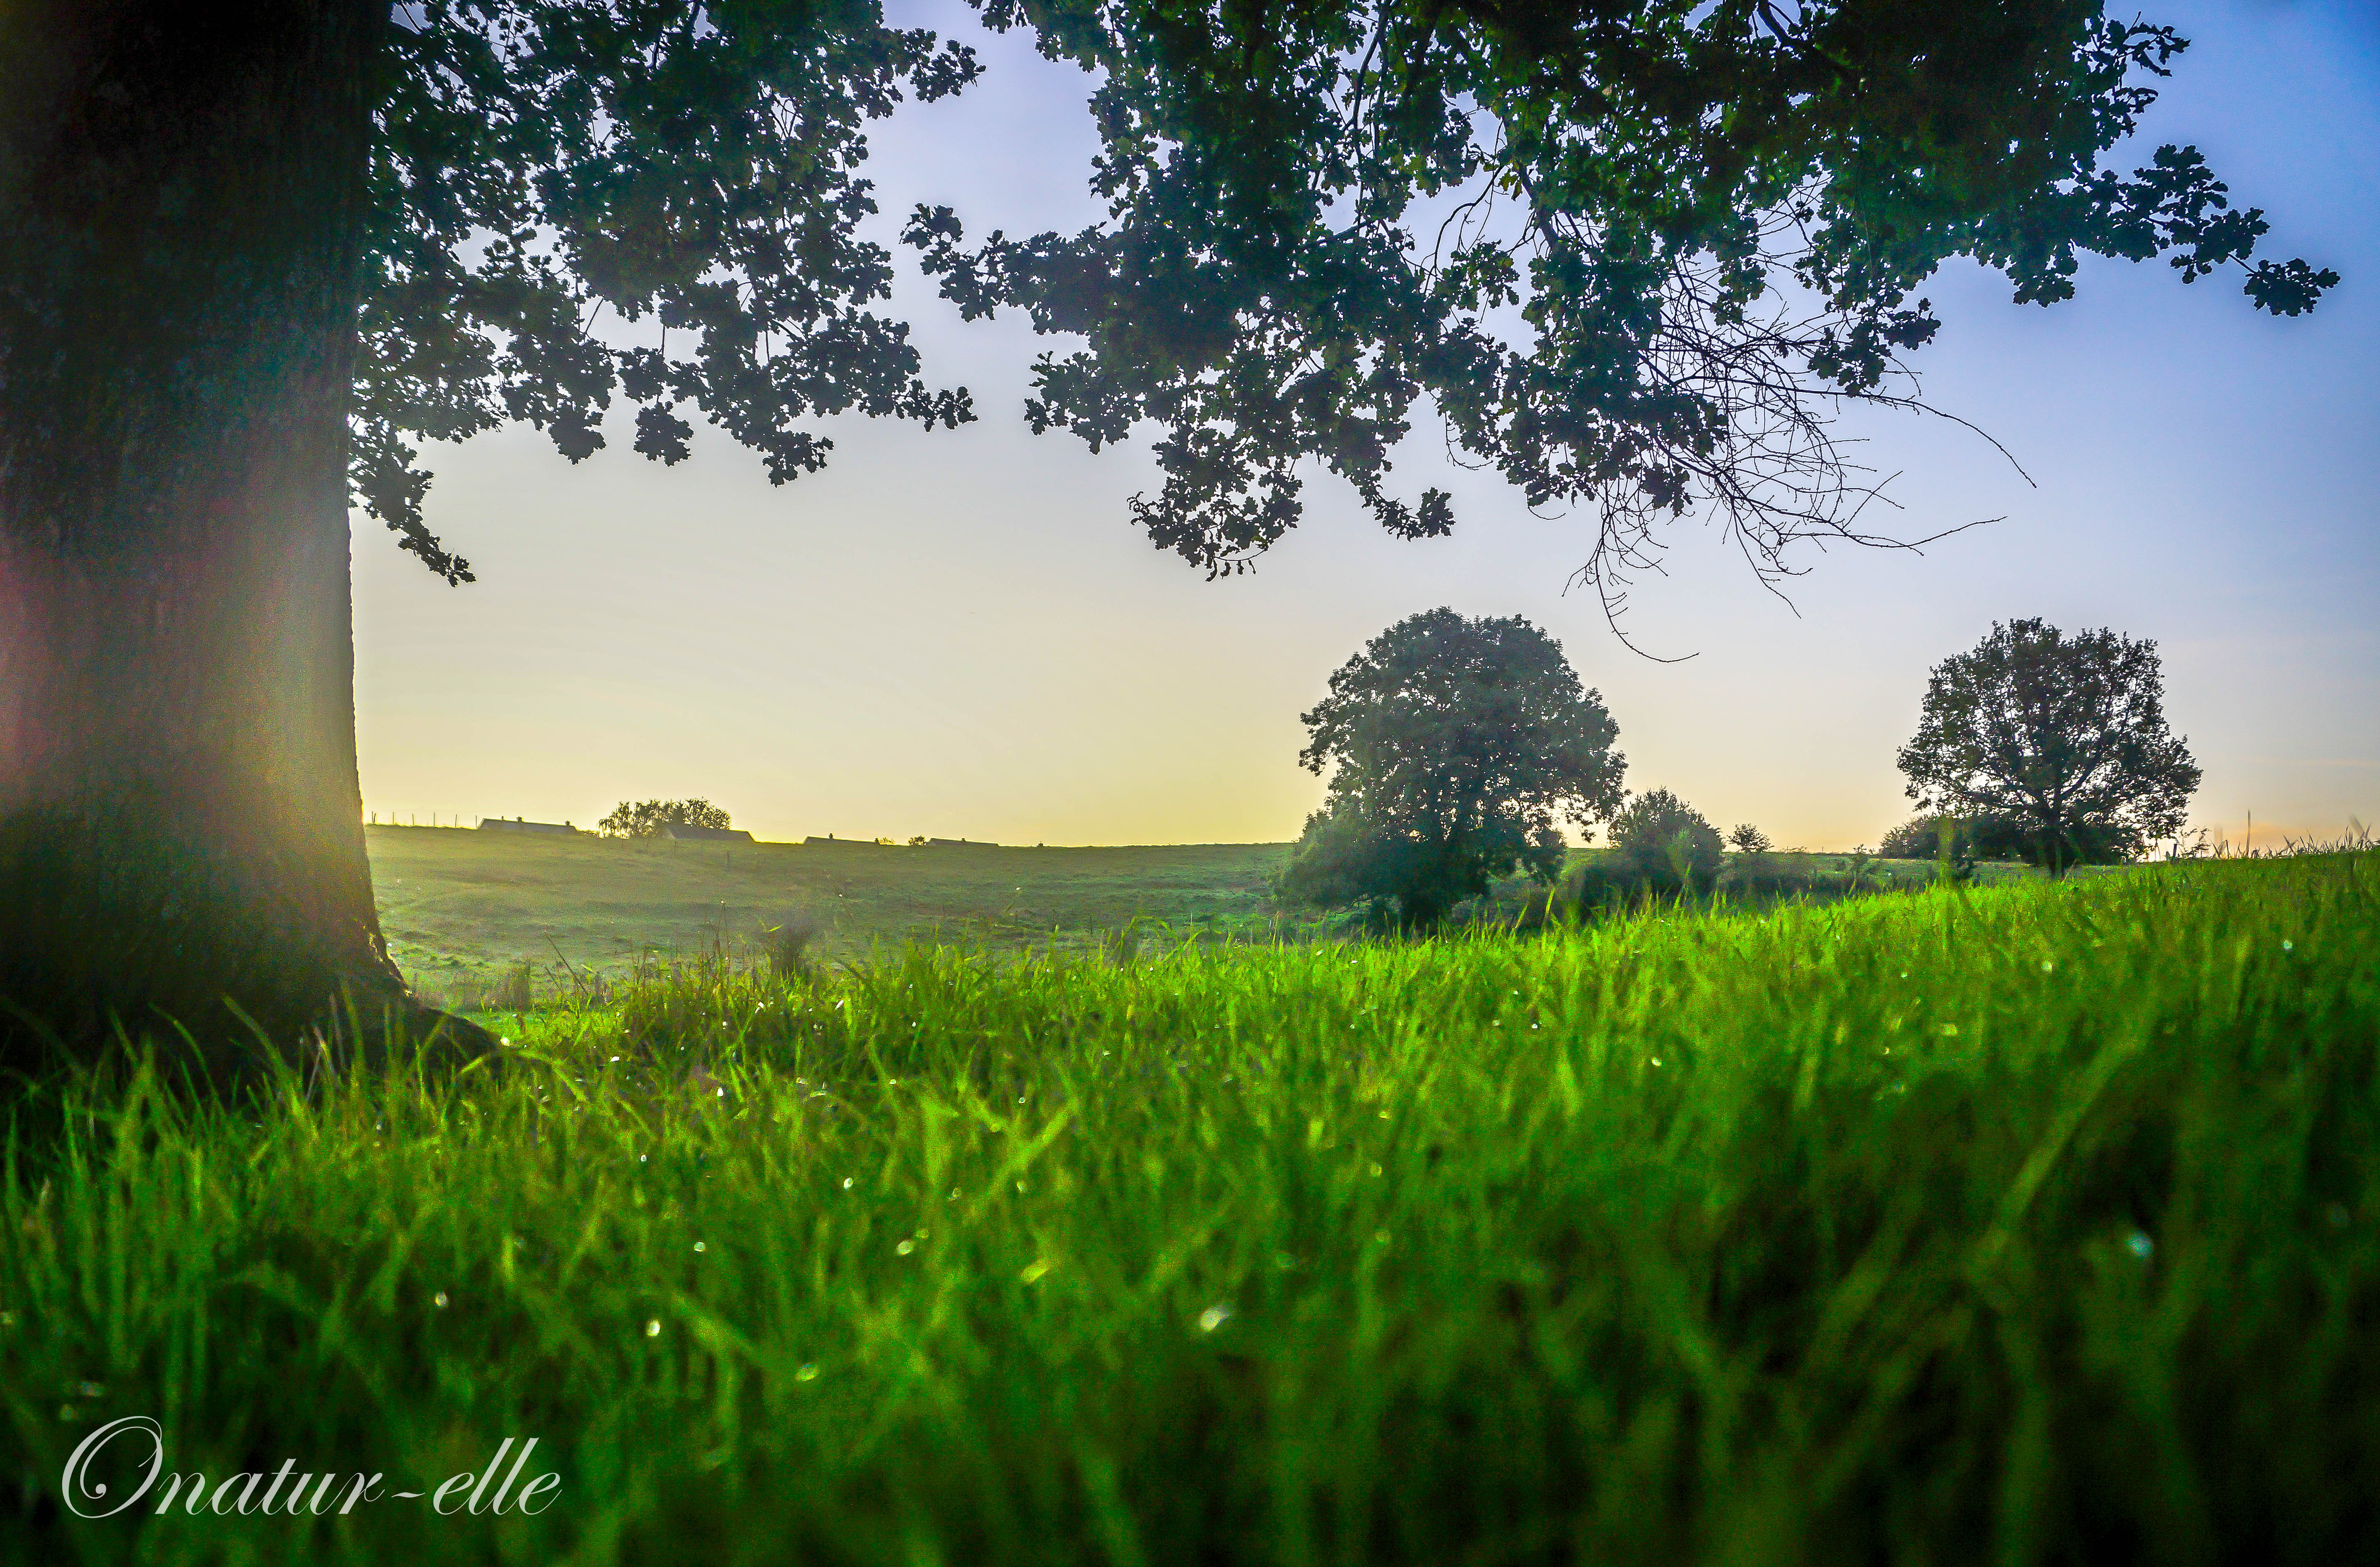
2035,1223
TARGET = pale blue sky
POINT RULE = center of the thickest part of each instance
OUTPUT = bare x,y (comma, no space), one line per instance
961,634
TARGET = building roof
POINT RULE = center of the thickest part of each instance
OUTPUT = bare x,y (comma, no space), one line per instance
686,835
499,824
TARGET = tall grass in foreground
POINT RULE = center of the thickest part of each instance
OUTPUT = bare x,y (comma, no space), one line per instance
2031,1225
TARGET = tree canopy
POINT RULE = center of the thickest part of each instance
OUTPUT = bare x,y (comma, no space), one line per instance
1457,750
1635,254
646,818
687,166
2062,736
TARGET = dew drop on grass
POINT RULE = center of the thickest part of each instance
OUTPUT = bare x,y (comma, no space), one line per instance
2139,1246
90,1390
2289,946
653,1328
846,1182
439,1300
2047,966
1213,1318
904,1248
808,1373
697,1246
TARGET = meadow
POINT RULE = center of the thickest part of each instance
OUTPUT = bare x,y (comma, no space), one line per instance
464,909
2032,1223
464,912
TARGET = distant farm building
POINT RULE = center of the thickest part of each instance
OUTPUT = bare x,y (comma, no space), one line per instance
686,835
958,843
498,824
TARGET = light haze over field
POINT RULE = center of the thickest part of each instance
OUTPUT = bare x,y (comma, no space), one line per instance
963,633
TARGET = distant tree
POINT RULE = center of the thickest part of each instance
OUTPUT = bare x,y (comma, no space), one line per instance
1746,839
2065,736
1456,748
1920,837
1658,836
1974,837
645,819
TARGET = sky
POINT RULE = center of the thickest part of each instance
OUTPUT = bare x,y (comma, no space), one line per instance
961,634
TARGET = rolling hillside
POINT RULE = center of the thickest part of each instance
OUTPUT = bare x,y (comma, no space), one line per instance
461,907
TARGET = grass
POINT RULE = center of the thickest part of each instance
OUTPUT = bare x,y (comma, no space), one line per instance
465,909
466,912
2037,1223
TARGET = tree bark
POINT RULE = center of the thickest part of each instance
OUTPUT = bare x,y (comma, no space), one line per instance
181,845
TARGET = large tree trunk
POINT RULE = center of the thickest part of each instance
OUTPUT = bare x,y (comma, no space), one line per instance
181,210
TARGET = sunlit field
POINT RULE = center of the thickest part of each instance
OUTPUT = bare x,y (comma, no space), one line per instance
2032,1223
468,914
464,910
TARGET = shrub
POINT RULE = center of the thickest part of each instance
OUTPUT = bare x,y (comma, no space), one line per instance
1921,838
1657,839
1995,837
517,992
787,944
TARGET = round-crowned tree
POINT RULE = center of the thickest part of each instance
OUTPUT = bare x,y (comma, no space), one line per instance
1457,749
1657,837
649,819
2062,737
